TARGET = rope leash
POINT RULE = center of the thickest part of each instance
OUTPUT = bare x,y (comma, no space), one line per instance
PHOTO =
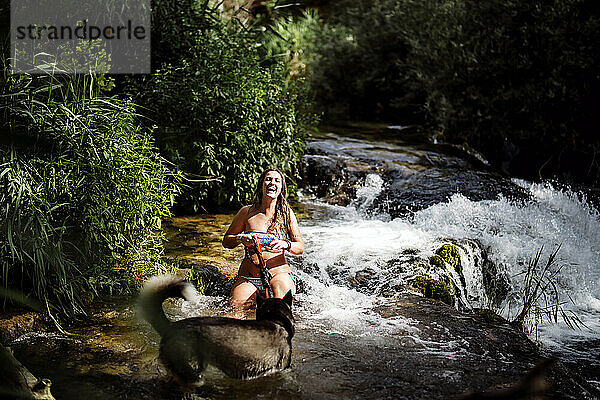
265,275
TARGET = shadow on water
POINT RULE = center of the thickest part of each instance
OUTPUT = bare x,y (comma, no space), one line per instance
115,358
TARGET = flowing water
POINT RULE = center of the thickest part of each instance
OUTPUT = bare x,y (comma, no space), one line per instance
509,234
359,331
494,230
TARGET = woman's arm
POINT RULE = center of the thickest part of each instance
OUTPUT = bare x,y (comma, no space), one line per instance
234,235
296,244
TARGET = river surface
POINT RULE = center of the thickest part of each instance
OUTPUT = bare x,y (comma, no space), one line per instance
361,331
498,224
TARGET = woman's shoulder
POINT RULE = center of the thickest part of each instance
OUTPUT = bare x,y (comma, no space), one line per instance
246,209
243,213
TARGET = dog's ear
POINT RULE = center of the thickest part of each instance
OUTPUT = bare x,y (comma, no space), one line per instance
288,298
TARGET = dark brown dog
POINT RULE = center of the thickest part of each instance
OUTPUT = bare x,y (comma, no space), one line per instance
242,349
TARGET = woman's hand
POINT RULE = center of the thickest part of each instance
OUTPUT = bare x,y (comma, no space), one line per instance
279,245
245,239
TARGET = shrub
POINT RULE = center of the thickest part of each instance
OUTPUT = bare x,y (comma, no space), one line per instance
515,80
354,57
222,117
82,189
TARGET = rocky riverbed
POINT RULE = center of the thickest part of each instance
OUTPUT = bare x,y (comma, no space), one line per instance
432,351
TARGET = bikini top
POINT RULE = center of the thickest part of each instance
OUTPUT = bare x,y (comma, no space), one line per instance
264,238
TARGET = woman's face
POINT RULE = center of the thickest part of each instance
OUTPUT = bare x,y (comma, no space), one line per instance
272,184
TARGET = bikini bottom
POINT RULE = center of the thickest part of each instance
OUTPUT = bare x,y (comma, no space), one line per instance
258,284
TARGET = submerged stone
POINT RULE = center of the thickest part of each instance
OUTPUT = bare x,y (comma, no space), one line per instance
15,323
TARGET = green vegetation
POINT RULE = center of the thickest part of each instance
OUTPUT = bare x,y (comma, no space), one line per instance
82,187
435,279
86,176
515,80
449,253
540,299
221,116
293,41
437,289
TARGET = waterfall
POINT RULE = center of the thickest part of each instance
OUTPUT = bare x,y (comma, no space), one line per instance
354,259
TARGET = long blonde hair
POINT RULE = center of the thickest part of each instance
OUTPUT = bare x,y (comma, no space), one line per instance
280,223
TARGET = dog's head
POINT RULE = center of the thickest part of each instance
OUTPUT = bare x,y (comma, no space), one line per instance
276,310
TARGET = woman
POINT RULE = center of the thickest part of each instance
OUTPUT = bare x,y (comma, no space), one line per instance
272,222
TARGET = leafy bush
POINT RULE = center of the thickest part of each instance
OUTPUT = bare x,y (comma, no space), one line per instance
516,80
175,25
222,117
292,40
82,190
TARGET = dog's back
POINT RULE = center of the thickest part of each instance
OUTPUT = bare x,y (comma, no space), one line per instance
240,348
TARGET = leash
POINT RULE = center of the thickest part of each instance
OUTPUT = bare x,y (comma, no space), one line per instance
265,275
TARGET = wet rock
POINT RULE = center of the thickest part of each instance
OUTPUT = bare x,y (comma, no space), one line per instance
491,355
207,279
475,159
17,382
41,390
496,283
15,378
449,253
406,190
16,323
321,174
328,178
490,316
437,289
363,279
415,176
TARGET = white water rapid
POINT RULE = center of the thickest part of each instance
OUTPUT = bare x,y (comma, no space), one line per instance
343,243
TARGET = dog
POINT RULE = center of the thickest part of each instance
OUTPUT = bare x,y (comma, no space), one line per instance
242,349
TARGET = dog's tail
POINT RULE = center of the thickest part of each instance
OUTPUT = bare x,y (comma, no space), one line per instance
155,292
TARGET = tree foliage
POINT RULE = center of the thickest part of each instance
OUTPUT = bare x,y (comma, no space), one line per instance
221,115
515,80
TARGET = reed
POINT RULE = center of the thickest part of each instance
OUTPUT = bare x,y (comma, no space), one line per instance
540,297
82,188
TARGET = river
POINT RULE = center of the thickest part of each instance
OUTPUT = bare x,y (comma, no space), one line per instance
374,208
497,223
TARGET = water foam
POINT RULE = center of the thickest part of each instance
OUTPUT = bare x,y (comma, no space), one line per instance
510,233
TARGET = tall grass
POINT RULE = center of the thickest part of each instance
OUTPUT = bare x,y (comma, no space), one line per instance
540,297
82,190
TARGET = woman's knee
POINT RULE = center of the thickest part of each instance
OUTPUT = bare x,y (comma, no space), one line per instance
242,293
